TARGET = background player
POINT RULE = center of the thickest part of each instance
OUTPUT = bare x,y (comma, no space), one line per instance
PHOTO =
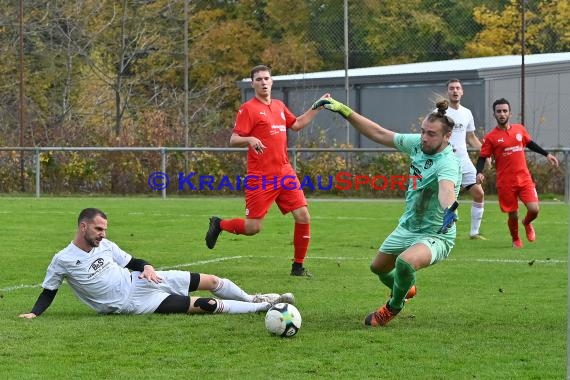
464,131
506,143
261,125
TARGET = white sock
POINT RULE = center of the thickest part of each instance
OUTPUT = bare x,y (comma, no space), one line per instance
240,307
477,210
228,290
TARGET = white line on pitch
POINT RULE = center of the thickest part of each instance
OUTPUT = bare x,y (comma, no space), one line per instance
503,261
338,258
17,287
204,262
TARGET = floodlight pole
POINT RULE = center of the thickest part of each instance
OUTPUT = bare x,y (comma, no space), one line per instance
186,127
22,97
346,88
523,45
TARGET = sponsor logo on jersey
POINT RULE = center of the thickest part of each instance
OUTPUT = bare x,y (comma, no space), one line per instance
96,266
276,129
415,171
512,149
98,263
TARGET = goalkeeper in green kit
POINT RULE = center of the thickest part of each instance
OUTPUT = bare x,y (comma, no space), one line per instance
425,233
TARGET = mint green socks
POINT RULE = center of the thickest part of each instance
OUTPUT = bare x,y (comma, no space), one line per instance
386,278
404,278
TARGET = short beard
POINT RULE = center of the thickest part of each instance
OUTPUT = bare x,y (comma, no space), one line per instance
91,242
432,151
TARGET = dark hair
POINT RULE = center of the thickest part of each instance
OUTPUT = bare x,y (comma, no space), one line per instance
439,115
453,80
259,68
501,101
88,214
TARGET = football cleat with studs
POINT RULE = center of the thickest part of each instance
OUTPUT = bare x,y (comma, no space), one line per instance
274,298
300,271
517,243
380,317
214,231
530,234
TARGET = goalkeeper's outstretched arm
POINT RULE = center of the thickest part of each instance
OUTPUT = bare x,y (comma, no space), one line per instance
367,127
372,130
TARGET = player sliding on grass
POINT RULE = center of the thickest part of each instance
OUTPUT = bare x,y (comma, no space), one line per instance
506,143
109,280
425,234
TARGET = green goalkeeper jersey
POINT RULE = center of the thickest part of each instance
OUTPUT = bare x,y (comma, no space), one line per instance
423,212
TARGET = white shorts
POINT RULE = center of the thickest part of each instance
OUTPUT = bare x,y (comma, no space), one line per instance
146,295
469,172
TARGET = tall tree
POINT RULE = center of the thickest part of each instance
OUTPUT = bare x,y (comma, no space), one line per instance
548,29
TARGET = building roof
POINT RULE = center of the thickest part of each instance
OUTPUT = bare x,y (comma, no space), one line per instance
465,64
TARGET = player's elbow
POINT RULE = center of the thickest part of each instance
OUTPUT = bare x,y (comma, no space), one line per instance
297,126
235,141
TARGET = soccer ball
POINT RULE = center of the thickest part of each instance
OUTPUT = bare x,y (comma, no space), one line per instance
283,319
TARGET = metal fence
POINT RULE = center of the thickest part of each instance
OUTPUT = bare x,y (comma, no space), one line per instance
222,162
162,70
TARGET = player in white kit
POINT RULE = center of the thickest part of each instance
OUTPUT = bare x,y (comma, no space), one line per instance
463,133
109,280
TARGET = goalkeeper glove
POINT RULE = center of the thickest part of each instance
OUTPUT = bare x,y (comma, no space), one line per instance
333,105
449,217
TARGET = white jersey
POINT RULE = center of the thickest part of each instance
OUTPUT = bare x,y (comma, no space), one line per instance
98,278
464,123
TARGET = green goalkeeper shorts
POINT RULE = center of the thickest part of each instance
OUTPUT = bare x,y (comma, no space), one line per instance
401,239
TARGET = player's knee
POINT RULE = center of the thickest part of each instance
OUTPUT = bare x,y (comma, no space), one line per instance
255,229
400,261
208,305
302,216
252,227
208,282
478,194
375,270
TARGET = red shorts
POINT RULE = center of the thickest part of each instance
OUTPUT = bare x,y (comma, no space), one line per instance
509,195
261,192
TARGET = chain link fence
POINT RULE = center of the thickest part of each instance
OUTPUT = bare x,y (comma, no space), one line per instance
114,73
367,33
323,172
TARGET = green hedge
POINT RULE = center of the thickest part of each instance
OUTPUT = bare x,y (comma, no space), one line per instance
67,173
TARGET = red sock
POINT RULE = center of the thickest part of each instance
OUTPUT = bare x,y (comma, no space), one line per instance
234,226
514,227
530,216
301,241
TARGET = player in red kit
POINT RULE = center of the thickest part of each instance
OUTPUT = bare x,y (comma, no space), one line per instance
261,125
506,143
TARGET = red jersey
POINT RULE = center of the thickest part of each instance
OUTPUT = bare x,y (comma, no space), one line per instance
269,124
507,147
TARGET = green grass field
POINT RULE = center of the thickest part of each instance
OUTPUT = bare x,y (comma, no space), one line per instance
488,312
